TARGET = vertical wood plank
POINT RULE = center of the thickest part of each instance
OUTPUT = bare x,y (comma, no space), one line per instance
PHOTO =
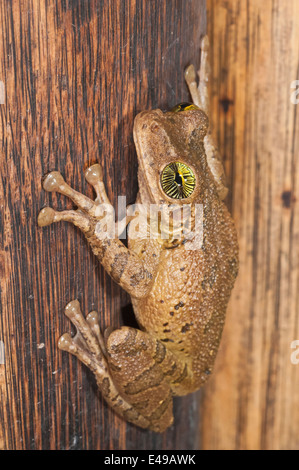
252,401
75,74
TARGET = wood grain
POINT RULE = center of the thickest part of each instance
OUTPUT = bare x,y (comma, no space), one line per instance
252,401
76,72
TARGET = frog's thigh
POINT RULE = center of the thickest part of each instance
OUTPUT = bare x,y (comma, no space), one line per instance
133,359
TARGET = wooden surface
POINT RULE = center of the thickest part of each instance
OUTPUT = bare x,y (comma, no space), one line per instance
252,401
76,72
75,75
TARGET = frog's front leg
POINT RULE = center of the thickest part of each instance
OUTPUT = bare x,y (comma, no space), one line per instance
132,273
129,367
200,97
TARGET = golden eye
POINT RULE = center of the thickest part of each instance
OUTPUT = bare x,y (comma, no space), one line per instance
184,107
177,180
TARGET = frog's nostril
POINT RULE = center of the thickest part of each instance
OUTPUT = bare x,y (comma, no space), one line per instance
155,128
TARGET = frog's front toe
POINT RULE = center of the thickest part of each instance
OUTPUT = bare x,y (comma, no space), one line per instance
46,217
94,176
53,181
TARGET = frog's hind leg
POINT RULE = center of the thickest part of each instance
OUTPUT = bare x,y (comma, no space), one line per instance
129,379
200,96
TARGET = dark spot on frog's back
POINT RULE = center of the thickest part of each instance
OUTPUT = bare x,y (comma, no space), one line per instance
179,305
186,327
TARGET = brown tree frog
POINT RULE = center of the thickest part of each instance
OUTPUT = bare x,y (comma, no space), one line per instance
179,294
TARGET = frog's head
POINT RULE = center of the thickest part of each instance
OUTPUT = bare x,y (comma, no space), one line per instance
172,162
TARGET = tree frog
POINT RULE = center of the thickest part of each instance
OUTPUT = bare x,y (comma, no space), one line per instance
179,294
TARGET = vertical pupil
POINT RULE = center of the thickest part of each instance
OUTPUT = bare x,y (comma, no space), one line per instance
178,179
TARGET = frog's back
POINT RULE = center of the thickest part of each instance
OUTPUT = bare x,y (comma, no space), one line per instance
186,307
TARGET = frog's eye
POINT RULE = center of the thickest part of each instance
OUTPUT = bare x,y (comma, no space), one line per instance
177,180
184,107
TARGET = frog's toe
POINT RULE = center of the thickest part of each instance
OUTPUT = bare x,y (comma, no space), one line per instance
46,217
94,176
88,339
66,343
190,74
205,44
53,181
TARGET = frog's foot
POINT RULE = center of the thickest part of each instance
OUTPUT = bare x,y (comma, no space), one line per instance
87,344
89,347
88,209
199,92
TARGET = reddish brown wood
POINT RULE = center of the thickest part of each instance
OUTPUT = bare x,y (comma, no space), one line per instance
76,72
